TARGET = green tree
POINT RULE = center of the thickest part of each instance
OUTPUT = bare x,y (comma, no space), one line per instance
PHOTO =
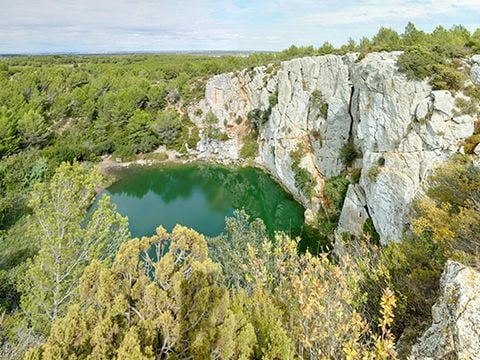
152,303
9,140
33,128
66,243
387,39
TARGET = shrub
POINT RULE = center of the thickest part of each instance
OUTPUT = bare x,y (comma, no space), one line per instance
303,178
349,153
335,190
466,106
159,156
373,173
471,143
449,216
416,62
317,135
193,138
257,118
167,126
355,175
370,232
249,148
381,161
319,102
446,78
273,99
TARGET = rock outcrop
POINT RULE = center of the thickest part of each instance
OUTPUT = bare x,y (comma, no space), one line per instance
454,333
313,106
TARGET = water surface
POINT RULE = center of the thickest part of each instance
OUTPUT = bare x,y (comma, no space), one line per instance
200,196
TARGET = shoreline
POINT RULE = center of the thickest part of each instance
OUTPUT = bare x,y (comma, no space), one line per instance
108,166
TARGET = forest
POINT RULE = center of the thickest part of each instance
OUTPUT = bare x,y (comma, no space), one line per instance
74,284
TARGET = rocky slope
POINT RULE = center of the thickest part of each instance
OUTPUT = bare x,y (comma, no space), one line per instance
313,106
456,315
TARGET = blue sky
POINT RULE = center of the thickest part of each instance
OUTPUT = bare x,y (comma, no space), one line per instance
33,26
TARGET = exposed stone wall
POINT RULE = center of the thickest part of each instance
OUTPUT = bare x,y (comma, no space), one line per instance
403,129
454,333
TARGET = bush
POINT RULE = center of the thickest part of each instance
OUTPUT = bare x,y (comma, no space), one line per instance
466,106
381,161
446,78
335,190
471,143
249,148
193,138
273,99
167,127
373,173
319,102
303,178
449,216
158,156
257,118
355,175
370,232
349,153
416,62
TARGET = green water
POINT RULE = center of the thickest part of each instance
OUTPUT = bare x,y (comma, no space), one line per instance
201,196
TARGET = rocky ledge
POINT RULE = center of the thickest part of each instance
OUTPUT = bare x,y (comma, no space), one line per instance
454,333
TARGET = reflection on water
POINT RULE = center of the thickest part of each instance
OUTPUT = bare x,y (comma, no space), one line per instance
200,197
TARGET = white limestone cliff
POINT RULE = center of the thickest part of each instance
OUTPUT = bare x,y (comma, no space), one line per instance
402,128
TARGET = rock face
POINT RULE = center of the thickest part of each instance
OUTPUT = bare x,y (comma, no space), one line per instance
456,315
313,106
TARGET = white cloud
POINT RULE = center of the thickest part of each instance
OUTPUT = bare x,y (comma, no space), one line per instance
97,25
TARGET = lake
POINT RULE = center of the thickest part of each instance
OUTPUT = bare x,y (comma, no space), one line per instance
200,196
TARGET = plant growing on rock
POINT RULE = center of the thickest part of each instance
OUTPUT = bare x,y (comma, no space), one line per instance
349,153
450,214
319,102
257,117
303,178
373,173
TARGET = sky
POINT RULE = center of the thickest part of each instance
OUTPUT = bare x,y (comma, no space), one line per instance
59,26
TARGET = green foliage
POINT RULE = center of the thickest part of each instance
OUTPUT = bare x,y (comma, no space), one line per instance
9,140
257,117
467,106
416,62
370,232
449,216
446,78
303,179
32,128
213,132
66,247
193,138
373,172
249,148
335,190
387,39
167,126
349,153
319,102
412,269
273,99
355,175
381,161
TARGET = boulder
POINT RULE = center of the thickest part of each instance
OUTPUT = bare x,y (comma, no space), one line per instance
455,331
475,74
354,211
